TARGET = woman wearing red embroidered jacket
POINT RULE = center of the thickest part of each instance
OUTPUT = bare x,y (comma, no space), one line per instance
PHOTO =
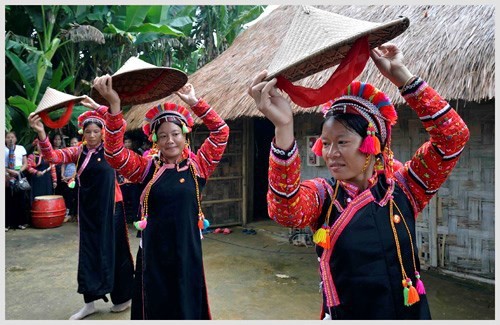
169,276
105,264
364,216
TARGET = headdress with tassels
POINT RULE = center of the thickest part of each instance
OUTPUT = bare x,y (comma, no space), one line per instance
155,116
376,108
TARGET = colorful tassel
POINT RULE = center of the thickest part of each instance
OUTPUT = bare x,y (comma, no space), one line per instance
419,285
371,144
185,129
317,148
405,293
322,237
413,296
154,138
206,224
141,225
80,131
71,184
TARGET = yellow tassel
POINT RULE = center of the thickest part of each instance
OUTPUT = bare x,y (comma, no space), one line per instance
319,236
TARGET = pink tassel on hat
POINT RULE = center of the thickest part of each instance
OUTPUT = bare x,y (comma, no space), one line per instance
371,144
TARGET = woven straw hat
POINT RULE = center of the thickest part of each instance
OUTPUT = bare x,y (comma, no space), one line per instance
319,39
54,99
139,82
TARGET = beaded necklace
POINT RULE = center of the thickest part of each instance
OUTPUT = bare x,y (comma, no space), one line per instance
141,224
410,292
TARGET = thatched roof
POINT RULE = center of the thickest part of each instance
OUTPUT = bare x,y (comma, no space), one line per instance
450,46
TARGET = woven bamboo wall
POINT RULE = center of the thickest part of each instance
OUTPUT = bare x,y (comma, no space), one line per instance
222,201
456,230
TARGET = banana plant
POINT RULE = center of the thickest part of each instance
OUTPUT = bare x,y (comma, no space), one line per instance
29,67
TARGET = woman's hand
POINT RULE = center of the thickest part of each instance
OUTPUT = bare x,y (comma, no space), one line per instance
90,103
389,60
187,94
275,107
269,101
104,85
36,124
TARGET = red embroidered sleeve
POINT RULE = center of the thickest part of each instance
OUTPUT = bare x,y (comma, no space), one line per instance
210,152
128,163
290,202
435,159
59,156
53,172
31,164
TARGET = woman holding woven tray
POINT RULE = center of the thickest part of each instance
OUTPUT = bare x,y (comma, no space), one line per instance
169,276
364,216
105,264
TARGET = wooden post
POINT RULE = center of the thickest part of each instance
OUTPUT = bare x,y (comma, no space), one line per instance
433,245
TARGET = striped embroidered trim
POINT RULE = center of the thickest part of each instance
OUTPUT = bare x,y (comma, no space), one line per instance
399,178
284,194
282,162
416,88
336,230
409,88
388,193
436,115
206,113
447,157
416,178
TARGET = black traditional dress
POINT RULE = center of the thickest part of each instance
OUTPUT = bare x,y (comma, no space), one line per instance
40,185
105,264
169,276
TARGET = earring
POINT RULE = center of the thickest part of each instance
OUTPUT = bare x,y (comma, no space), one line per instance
367,160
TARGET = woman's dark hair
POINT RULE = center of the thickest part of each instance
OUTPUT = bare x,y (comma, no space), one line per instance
353,122
92,121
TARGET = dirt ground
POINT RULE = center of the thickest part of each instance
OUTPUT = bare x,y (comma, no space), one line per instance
249,277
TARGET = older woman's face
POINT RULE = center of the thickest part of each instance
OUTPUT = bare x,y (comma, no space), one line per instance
171,141
93,135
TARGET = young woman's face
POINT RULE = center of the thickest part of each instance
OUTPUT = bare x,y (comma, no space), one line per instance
57,141
73,142
171,141
341,152
10,139
93,135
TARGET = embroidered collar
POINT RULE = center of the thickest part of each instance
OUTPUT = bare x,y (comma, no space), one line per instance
353,190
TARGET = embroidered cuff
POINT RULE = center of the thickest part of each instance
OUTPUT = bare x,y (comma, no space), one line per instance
283,154
411,86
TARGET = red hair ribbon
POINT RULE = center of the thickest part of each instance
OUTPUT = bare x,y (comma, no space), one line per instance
350,67
59,123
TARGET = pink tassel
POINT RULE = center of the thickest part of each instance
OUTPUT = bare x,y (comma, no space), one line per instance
419,285
317,148
368,146
141,225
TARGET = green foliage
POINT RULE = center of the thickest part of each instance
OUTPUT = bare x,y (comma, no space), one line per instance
46,46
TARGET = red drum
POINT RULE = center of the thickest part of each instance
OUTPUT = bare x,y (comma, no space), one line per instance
48,211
